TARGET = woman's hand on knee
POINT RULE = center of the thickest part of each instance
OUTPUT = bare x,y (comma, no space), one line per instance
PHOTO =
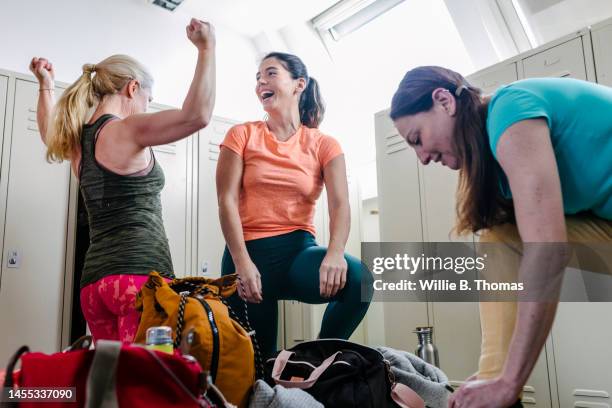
249,282
332,274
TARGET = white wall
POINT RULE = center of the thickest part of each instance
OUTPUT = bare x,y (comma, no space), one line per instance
550,19
74,32
482,35
367,65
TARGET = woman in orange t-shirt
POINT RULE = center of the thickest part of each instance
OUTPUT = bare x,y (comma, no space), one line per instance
269,176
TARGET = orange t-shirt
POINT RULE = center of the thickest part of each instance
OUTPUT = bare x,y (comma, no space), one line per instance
281,181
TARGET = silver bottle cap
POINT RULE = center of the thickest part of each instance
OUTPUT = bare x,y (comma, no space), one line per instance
159,335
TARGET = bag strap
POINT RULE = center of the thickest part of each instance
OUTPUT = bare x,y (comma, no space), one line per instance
246,325
9,380
101,381
180,321
405,397
281,361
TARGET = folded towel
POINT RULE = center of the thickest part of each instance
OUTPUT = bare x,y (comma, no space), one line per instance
423,378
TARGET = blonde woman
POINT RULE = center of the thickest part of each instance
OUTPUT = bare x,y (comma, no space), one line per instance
119,177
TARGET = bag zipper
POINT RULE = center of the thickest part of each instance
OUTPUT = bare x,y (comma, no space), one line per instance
214,364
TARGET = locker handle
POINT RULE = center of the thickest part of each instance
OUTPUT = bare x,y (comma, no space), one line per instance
33,128
395,142
552,62
562,74
588,404
396,148
591,393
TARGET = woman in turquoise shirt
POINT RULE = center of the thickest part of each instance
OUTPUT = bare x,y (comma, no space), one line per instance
535,163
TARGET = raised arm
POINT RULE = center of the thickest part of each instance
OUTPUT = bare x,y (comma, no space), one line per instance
42,69
169,126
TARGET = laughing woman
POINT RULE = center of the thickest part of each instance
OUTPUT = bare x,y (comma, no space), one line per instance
269,176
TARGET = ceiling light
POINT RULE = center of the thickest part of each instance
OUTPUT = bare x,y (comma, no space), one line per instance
169,5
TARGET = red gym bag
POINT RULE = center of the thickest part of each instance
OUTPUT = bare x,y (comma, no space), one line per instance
112,375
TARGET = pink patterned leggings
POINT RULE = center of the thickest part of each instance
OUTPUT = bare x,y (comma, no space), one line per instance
108,307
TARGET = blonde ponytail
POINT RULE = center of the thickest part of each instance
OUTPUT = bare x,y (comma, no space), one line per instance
105,78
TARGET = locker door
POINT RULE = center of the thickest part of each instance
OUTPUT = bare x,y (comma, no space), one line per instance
34,247
174,197
602,38
400,221
491,80
3,97
582,338
454,322
398,185
211,242
564,60
173,159
3,110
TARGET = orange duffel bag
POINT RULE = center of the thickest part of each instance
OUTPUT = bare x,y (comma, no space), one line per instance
195,310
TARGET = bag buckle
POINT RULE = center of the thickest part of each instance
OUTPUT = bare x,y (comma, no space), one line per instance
390,374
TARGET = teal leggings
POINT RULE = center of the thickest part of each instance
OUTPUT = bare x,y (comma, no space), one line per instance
289,267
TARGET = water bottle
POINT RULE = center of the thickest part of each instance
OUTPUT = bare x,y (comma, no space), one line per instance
160,338
426,349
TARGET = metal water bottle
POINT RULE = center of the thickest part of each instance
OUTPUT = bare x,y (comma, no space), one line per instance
426,349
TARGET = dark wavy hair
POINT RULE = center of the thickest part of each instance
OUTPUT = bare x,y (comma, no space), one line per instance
480,203
312,107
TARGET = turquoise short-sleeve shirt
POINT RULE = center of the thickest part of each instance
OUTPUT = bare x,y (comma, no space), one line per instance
579,116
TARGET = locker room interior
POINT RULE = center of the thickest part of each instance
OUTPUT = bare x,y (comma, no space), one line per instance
492,42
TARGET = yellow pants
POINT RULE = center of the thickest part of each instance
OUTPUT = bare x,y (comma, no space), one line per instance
498,318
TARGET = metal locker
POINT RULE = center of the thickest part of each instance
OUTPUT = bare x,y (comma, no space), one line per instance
602,38
582,336
34,247
494,78
174,197
210,240
400,221
564,60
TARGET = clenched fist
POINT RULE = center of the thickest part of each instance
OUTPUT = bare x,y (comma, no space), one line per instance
42,69
201,34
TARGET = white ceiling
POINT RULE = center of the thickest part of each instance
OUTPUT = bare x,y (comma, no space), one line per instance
250,17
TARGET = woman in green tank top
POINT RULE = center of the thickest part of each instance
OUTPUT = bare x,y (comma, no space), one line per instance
120,180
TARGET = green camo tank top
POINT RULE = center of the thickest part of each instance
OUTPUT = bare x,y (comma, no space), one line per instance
126,230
